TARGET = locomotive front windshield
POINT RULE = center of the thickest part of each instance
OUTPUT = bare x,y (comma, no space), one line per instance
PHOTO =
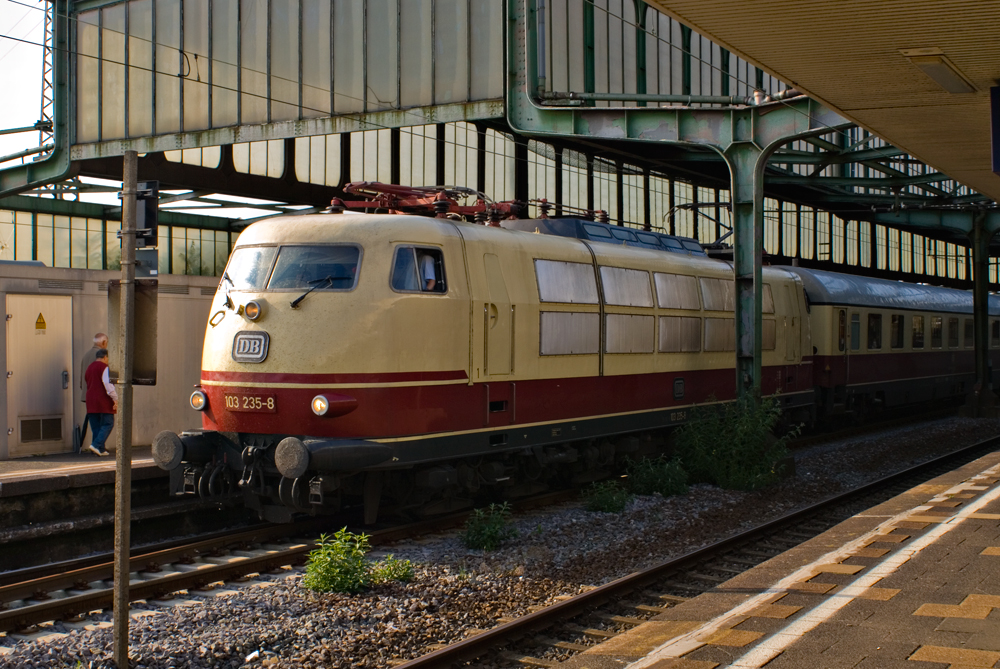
319,267
325,267
248,267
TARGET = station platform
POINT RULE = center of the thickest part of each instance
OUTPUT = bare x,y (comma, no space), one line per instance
913,583
34,475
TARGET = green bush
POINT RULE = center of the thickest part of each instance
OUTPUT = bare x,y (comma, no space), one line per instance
338,564
733,446
606,496
659,475
391,569
486,529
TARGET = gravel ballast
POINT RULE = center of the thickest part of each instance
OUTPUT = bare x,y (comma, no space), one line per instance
559,551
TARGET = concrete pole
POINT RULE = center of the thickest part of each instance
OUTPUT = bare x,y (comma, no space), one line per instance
123,456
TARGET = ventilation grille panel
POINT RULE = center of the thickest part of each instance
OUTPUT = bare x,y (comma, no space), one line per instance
60,284
41,429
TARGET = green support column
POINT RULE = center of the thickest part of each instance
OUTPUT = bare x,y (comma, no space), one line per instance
746,167
980,300
56,165
744,137
982,402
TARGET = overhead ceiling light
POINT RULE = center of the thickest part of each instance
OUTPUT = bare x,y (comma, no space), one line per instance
933,63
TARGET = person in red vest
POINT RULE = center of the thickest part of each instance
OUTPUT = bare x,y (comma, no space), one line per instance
102,402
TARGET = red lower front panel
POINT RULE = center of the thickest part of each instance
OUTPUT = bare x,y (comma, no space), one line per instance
392,411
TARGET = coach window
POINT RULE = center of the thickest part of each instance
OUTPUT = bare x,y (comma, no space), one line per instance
970,333
676,291
953,332
571,282
626,287
680,334
937,327
718,295
855,332
720,334
874,331
767,300
842,330
995,334
768,336
918,332
418,270
896,331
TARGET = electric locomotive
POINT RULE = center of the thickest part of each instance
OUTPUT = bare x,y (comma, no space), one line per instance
418,362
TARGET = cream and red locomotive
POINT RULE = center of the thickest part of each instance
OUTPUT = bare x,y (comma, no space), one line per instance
417,362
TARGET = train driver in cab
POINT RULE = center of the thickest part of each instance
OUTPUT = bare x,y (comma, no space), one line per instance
428,277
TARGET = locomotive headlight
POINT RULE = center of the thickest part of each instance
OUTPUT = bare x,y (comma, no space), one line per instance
253,310
320,405
199,400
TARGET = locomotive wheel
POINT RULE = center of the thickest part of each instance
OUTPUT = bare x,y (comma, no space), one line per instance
292,496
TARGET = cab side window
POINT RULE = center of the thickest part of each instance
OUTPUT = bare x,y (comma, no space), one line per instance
417,269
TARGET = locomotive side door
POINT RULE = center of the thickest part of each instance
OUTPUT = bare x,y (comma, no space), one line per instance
498,319
498,316
793,341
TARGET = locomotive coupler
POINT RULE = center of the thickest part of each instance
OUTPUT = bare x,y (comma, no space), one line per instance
192,475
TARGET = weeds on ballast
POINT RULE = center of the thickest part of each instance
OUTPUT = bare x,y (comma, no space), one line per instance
606,497
733,446
338,564
487,529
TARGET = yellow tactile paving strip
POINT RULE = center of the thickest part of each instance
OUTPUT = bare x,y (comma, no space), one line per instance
959,656
885,549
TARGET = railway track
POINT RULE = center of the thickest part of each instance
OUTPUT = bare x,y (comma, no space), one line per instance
59,592
546,636
36,595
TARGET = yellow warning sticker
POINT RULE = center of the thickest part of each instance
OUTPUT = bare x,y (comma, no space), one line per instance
40,322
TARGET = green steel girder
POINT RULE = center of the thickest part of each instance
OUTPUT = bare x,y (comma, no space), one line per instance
862,182
960,221
745,138
57,164
44,205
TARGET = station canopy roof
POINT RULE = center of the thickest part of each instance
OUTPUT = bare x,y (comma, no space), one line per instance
917,73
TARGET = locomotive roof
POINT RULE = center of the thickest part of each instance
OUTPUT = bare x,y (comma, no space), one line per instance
848,289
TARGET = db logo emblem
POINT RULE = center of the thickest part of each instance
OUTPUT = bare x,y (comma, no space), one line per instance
250,346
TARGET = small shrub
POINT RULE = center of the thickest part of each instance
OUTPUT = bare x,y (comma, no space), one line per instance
659,475
391,569
338,564
607,497
486,529
734,447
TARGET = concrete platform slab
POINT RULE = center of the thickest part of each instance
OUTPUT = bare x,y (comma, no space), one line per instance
912,583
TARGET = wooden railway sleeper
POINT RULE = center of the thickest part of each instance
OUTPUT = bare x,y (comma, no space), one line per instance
670,599
744,561
591,632
690,587
621,620
562,645
767,555
528,660
726,570
644,608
